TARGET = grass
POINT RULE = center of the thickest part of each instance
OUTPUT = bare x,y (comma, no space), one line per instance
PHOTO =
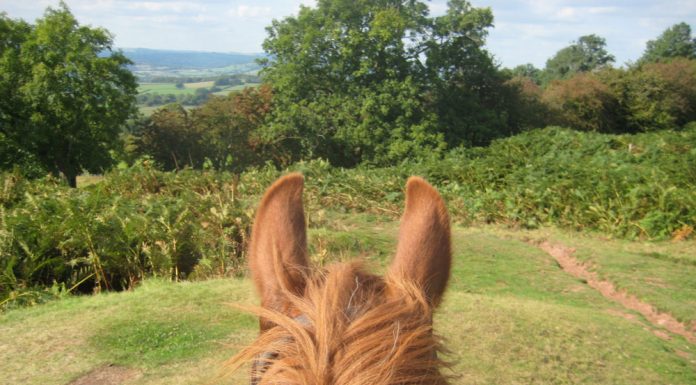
661,274
511,316
165,88
189,88
161,329
85,179
149,110
197,85
238,87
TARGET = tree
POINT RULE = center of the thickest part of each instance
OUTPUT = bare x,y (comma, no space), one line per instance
468,91
526,71
586,55
71,93
13,34
526,108
660,95
378,81
675,41
223,132
229,128
170,138
585,103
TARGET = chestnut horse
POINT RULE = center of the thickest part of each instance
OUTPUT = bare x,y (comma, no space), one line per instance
343,325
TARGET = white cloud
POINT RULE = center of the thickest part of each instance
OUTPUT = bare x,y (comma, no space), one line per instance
544,6
527,30
244,10
170,6
158,19
566,13
602,10
202,18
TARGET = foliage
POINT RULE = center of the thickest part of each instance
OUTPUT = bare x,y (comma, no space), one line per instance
223,133
660,95
170,138
527,110
136,223
526,71
381,81
586,55
140,222
676,41
70,93
228,127
585,103
652,96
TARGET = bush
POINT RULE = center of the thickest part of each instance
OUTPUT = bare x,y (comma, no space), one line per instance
135,223
585,103
661,95
141,222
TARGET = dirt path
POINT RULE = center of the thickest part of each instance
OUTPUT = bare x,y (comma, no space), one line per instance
107,375
564,257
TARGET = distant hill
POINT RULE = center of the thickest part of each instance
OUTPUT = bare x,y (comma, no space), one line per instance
150,63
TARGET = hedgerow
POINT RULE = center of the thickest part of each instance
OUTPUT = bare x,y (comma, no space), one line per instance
141,222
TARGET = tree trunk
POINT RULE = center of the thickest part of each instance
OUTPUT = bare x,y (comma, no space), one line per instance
72,180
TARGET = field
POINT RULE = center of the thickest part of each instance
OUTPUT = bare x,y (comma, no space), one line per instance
189,88
149,73
149,110
512,315
165,88
227,90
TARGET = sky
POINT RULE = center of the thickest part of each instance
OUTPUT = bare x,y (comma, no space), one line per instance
525,31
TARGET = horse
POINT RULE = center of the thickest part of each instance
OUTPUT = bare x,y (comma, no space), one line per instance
343,325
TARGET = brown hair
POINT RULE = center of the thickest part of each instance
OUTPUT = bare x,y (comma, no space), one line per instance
343,325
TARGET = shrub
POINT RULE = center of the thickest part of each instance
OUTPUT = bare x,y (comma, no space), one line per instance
585,103
141,222
661,95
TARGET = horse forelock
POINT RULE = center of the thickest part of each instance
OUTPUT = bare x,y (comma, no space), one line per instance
354,328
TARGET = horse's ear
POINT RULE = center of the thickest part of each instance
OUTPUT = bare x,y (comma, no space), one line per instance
278,248
424,251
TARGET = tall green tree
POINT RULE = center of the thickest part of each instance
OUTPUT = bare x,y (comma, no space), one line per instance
468,91
371,80
72,93
585,55
526,71
13,33
675,41
228,127
170,138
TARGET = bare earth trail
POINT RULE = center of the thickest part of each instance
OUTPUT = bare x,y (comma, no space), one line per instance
107,375
565,258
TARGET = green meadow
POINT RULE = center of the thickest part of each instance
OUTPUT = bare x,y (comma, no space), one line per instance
511,314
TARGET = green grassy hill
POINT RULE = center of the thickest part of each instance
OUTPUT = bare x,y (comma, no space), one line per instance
511,315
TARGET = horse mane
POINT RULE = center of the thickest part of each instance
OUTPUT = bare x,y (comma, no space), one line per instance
343,325
357,329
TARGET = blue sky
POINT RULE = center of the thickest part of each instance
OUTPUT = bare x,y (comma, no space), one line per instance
526,31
